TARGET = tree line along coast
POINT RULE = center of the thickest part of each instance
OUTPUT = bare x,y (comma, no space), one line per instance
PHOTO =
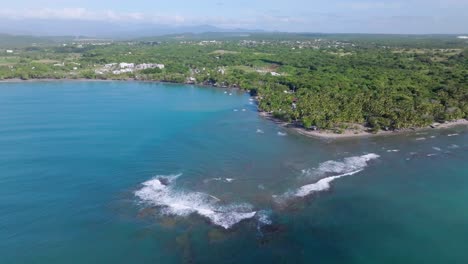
338,83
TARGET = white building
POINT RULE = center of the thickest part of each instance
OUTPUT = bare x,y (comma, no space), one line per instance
110,65
275,74
117,72
462,37
124,65
145,66
9,51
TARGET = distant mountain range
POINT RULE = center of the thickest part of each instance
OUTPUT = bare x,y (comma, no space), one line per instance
101,29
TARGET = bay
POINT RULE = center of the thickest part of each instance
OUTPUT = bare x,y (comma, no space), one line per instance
133,172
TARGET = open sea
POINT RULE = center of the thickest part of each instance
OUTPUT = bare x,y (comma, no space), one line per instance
130,172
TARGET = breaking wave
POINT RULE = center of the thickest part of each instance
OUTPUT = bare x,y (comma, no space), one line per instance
348,165
329,171
160,192
321,185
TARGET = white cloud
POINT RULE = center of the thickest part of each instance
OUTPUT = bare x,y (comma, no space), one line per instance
113,16
361,16
85,14
369,5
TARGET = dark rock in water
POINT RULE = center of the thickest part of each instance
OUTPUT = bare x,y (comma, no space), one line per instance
217,235
269,229
164,181
146,212
270,233
184,243
168,222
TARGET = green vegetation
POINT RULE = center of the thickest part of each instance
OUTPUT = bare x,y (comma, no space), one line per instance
324,81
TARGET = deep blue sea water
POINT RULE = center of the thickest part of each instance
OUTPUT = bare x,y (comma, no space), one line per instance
128,172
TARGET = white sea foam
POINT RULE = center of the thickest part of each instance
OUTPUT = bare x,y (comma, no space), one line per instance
321,185
259,131
243,110
228,180
263,217
160,192
282,134
454,146
236,110
421,138
347,167
436,148
452,135
393,150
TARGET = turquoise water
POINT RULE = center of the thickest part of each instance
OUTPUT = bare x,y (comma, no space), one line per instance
127,172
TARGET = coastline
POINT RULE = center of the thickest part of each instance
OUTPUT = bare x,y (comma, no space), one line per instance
17,80
357,133
320,134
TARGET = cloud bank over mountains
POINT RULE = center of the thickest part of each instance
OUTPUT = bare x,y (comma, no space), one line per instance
334,16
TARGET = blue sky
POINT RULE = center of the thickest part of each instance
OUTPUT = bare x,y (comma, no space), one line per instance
348,16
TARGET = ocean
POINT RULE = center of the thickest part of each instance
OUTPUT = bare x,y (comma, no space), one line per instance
135,172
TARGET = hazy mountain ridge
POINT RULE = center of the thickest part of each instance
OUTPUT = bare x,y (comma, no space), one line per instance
115,30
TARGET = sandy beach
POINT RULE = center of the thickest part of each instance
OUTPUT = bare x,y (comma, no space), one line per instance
360,131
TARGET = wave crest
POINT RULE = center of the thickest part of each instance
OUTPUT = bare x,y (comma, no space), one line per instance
160,192
347,167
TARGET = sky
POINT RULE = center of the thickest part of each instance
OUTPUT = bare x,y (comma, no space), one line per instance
330,16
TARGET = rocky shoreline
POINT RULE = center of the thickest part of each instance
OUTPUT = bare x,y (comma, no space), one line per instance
360,130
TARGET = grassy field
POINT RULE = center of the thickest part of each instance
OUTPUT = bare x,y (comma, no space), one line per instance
9,61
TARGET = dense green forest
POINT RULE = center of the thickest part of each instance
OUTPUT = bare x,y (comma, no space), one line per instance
326,81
